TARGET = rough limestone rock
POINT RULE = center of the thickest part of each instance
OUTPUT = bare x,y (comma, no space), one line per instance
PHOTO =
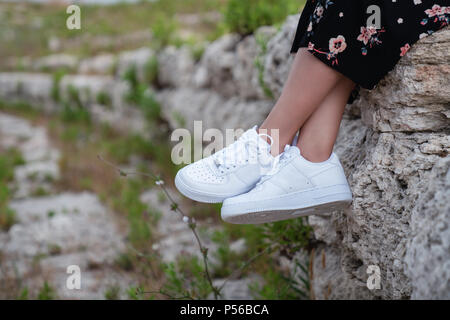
226,76
56,62
34,87
396,160
41,159
87,87
428,265
175,67
246,73
100,64
58,231
134,59
216,66
415,96
278,59
54,232
183,106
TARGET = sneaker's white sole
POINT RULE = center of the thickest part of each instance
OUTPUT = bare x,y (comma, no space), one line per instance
313,202
196,195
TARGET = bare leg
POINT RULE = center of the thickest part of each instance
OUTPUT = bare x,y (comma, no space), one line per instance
318,134
309,82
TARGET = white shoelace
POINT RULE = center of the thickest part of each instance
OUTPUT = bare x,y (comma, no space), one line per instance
277,164
243,151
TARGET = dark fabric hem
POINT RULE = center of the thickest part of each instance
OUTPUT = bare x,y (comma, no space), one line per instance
329,63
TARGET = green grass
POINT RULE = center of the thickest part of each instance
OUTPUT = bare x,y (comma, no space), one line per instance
186,279
228,261
245,17
46,292
104,99
23,294
32,25
8,160
112,293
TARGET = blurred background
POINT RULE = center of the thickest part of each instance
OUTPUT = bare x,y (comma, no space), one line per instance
81,108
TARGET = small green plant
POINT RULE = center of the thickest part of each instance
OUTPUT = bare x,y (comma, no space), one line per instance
40,192
227,259
136,88
112,293
163,29
186,280
20,106
73,109
138,214
151,70
8,160
131,77
54,249
279,286
141,95
86,183
7,216
197,51
71,114
289,236
180,120
301,282
244,17
55,93
150,107
46,292
74,96
135,293
125,261
23,295
104,99
261,40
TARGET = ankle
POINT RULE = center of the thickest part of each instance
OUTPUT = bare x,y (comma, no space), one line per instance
315,156
279,139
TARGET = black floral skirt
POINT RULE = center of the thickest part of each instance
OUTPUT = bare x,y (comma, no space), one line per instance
364,39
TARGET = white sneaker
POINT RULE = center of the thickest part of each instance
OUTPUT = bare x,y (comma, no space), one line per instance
294,187
231,171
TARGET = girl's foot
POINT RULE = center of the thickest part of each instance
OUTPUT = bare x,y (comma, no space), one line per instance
229,172
294,187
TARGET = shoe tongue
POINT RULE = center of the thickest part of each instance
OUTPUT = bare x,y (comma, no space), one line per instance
293,150
252,134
